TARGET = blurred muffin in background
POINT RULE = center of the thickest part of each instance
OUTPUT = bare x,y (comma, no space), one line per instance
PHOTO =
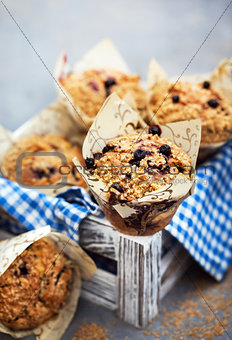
188,101
90,89
43,169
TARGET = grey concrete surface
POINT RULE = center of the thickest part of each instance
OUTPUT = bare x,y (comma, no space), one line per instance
170,31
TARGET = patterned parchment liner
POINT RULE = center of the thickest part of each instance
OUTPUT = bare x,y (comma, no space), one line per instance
220,78
102,56
116,118
53,120
83,268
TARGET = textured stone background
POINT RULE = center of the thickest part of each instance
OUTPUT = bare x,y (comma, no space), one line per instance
171,31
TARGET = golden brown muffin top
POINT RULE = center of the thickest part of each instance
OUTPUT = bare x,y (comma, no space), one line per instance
35,286
43,169
192,101
134,165
90,89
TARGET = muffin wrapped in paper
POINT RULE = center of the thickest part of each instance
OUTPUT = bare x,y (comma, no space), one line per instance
50,140
100,72
70,266
153,210
204,96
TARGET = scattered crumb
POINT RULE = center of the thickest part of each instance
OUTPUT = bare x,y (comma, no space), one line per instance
90,332
156,334
204,313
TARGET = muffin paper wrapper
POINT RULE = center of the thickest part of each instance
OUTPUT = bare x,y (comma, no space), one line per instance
102,56
83,268
115,119
52,120
221,80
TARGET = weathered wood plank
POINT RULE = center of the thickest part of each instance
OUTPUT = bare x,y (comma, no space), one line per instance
169,256
101,289
179,264
98,237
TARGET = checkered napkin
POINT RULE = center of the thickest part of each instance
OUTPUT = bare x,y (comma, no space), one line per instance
26,209
203,223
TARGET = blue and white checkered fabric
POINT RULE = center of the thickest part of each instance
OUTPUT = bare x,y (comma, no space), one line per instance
31,209
203,223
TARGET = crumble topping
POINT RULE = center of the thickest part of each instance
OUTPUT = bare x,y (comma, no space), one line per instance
191,101
43,169
35,286
90,89
134,165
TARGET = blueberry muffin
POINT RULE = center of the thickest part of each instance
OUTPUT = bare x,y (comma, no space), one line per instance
35,286
133,166
90,89
191,101
42,169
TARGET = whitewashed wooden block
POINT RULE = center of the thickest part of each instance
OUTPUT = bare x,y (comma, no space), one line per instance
146,269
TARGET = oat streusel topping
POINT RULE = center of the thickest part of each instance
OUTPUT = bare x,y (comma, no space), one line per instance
90,89
134,165
35,286
191,101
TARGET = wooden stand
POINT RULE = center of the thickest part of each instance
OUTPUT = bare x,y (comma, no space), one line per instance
147,268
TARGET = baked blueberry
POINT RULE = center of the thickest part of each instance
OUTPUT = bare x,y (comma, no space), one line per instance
213,103
23,269
139,154
206,84
155,130
165,149
134,162
175,98
117,187
94,86
166,169
110,82
89,162
52,170
39,173
107,148
98,155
